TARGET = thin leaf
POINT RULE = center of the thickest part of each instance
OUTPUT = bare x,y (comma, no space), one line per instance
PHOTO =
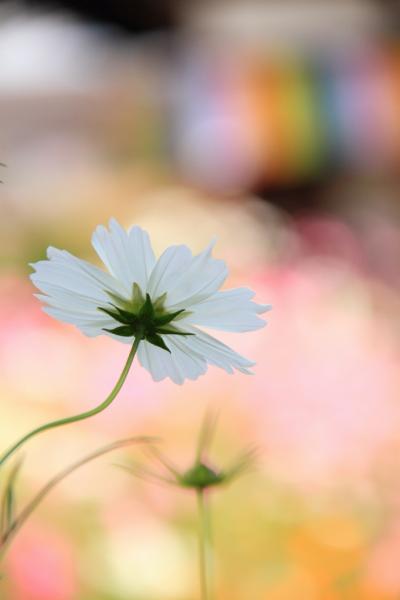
8,499
146,474
155,452
243,463
10,533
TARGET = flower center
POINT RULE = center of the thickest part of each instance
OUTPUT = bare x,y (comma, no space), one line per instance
140,317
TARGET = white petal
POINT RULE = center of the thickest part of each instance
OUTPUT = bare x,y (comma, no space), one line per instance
192,364
73,274
105,280
173,261
90,325
201,278
230,310
142,256
149,362
56,296
127,255
74,289
66,278
180,364
189,357
217,353
81,320
159,363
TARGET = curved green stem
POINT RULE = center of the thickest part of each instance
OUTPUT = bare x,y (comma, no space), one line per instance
81,416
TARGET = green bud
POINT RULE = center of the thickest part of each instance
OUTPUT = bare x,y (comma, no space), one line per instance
201,476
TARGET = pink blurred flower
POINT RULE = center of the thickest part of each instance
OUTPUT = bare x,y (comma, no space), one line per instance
41,567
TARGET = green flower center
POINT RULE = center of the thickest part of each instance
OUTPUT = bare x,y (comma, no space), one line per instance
201,476
140,317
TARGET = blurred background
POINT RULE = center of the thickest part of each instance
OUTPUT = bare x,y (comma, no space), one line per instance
274,125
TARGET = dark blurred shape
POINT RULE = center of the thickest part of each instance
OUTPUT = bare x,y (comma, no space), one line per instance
392,7
297,198
129,16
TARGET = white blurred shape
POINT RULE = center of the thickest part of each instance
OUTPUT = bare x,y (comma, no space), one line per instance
149,560
44,53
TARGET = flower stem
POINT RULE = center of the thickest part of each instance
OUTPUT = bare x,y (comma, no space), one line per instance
203,540
81,416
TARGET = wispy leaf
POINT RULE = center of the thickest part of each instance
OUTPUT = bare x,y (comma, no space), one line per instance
8,499
17,522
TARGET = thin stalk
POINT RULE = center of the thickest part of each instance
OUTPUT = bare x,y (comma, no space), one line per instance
203,540
81,416
32,505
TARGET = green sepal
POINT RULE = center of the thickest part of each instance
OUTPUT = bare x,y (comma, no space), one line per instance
159,303
139,316
123,330
117,300
183,315
137,298
147,310
114,314
167,318
108,311
120,315
126,316
172,331
157,340
131,305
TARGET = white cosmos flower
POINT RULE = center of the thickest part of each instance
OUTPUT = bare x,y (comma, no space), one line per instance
164,300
